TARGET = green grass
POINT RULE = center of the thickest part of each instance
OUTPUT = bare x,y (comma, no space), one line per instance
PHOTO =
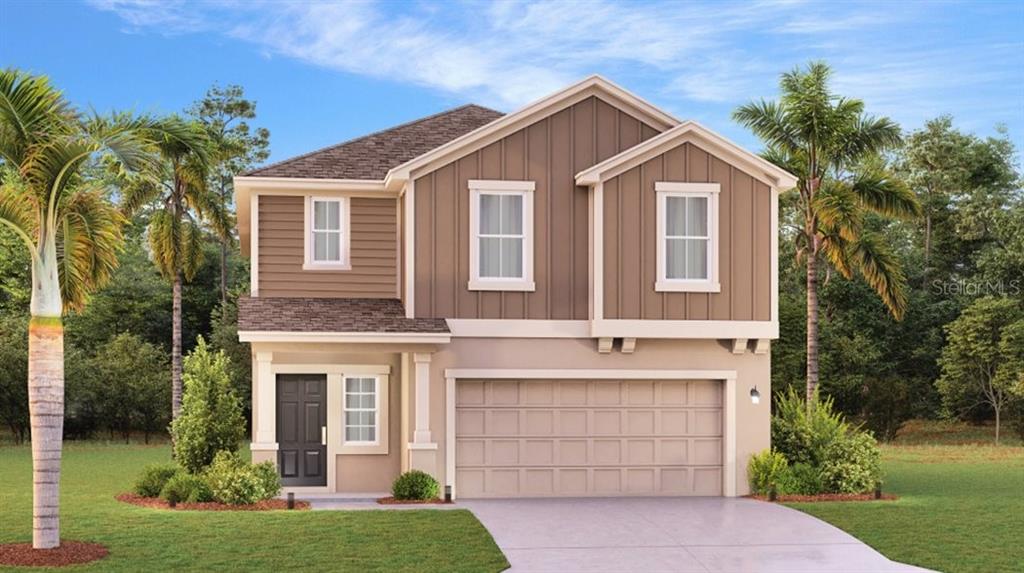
142,539
961,508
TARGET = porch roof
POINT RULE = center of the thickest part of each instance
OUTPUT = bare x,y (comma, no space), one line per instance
332,315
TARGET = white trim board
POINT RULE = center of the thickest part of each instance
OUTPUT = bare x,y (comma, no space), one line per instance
516,328
344,337
688,329
688,132
592,86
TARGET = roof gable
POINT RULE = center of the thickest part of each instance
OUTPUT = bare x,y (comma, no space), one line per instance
688,131
593,86
371,156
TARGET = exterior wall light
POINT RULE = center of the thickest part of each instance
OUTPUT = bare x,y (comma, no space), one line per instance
755,396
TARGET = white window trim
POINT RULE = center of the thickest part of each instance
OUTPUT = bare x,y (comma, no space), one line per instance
376,410
344,264
478,187
711,191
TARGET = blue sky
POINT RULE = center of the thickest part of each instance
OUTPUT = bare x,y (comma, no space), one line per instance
325,72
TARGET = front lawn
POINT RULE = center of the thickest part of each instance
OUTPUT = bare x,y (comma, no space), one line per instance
961,508
142,539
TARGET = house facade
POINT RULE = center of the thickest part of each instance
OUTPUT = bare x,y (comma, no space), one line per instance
575,299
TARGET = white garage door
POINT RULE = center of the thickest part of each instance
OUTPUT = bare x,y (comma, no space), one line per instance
535,438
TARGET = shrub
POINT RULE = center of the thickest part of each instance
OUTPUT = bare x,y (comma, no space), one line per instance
802,479
765,470
236,482
852,464
211,415
186,487
153,479
801,435
415,485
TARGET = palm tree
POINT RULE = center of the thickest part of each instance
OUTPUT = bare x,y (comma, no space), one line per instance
183,203
48,152
835,150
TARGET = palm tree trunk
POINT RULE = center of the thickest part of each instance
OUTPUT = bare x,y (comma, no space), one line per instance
46,411
176,349
812,326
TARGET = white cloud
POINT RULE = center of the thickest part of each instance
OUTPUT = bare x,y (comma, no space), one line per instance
509,52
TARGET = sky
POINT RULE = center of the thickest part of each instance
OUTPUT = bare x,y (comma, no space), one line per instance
324,72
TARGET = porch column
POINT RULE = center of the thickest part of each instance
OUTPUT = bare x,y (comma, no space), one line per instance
265,408
422,433
422,450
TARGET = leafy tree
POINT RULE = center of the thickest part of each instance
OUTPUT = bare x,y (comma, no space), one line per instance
981,364
211,417
833,147
48,198
13,370
15,273
131,389
183,203
237,148
225,339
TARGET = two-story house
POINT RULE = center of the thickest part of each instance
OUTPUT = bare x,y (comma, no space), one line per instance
575,299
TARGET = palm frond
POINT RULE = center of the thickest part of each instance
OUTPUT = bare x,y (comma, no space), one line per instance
164,233
882,271
88,244
838,210
18,207
31,110
191,249
767,119
885,194
837,252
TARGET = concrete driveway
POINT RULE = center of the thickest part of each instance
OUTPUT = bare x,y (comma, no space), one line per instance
670,534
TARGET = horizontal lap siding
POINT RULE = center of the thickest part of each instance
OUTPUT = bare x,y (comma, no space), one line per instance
630,242
281,251
549,152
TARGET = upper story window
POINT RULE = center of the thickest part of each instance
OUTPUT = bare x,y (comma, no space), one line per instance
327,233
501,235
687,237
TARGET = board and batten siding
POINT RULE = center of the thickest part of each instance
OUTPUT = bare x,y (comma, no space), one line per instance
374,236
630,245
549,152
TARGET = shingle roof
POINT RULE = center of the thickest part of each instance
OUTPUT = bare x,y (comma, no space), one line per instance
276,314
371,156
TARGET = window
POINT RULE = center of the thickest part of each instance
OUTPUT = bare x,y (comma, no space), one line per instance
501,241
327,225
361,410
687,237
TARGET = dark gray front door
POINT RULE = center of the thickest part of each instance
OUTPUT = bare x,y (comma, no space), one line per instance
301,425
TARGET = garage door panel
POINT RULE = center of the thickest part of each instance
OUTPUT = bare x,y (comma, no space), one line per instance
586,438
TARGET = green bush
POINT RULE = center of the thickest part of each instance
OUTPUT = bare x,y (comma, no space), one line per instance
802,479
415,485
153,479
765,470
853,464
803,436
187,488
236,482
211,416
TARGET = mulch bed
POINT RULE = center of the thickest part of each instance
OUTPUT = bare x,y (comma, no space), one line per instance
392,501
69,553
829,497
157,503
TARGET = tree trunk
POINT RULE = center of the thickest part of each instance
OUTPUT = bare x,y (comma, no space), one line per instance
997,408
812,326
176,349
223,273
46,413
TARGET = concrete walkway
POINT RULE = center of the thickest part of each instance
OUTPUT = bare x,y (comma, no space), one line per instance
671,534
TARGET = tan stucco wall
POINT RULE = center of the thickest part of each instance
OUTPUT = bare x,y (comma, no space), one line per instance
353,472
752,421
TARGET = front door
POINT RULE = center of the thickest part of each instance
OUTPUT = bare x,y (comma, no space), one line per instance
302,429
